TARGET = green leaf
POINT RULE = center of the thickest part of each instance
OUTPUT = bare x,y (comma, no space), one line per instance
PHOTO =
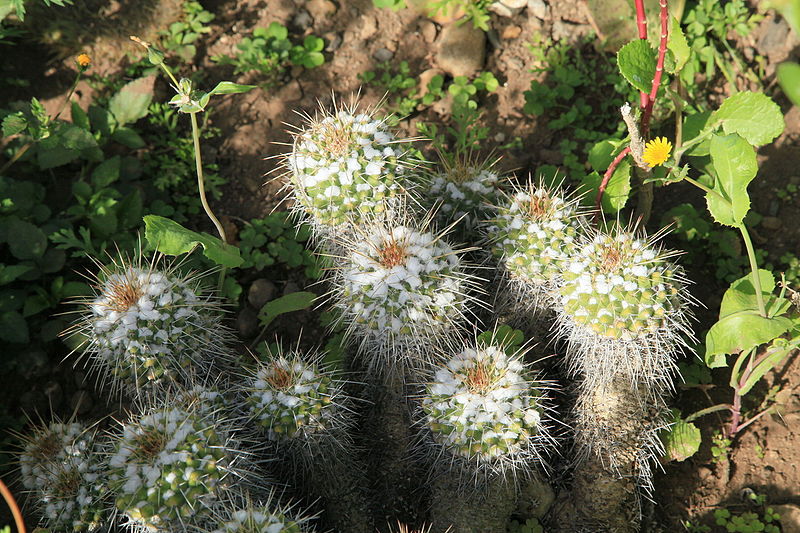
9,273
128,137
741,295
789,79
776,353
637,63
681,440
13,328
617,189
106,173
753,116
693,126
602,153
312,43
678,46
228,87
169,237
295,301
79,116
25,240
277,31
735,166
131,102
14,123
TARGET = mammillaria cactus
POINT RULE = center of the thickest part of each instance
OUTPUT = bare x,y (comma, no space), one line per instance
466,190
171,465
344,166
150,326
63,470
402,290
483,406
261,518
624,309
533,233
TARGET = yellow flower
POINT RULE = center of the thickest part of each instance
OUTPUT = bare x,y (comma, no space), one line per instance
656,152
84,61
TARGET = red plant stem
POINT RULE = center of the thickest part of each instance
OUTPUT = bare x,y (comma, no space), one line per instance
12,504
607,176
736,413
662,52
641,24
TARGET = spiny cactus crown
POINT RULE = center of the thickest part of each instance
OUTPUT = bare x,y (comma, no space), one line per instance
401,288
534,233
621,287
149,326
465,190
47,445
168,465
290,398
258,520
481,405
345,166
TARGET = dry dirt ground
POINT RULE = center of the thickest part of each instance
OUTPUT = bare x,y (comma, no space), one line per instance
766,458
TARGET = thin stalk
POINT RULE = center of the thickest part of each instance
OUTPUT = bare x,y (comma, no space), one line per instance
759,415
751,255
662,52
606,178
641,25
706,189
709,410
12,504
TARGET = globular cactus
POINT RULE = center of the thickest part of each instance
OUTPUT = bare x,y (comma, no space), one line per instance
294,400
172,465
485,408
345,166
269,517
62,469
149,326
402,290
465,189
624,310
533,233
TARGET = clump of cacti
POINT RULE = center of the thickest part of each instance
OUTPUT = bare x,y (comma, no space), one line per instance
269,517
148,327
533,233
402,290
484,406
344,167
623,309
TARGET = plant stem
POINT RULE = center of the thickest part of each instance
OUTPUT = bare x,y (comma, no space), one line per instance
641,25
662,52
12,504
200,183
707,189
736,413
751,255
709,410
606,177
19,153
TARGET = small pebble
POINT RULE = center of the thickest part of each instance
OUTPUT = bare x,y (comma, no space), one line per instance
511,32
302,20
260,292
537,8
334,41
383,55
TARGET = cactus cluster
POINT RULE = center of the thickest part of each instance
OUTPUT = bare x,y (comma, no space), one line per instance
150,327
465,190
483,406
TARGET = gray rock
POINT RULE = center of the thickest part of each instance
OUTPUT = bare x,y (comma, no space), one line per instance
462,49
81,402
321,9
499,137
537,8
334,41
383,55
774,36
247,323
515,4
302,20
503,10
260,292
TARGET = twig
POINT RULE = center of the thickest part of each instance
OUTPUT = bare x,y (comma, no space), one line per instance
662,52
606,177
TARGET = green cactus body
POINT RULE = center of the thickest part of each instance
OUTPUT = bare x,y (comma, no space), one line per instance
63,470
258,520
624,309
150,327
168,467
293,399
345,166
465,193
402,291
481,406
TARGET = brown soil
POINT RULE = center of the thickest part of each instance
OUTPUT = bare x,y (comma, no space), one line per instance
766,457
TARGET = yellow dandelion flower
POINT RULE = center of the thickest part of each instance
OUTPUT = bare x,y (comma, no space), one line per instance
84,61
656,152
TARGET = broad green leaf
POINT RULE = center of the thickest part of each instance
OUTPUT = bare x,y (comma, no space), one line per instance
602,153
131,102
295,301
277,31
312,43
228,87
128,137
25,240
741,295
169,237
35,303
678,46
14,123
637,63
106,173
79,116
9,273
735,166
693,126
754,116
13,327
789,79
775,353
617,190
681,440
740,332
